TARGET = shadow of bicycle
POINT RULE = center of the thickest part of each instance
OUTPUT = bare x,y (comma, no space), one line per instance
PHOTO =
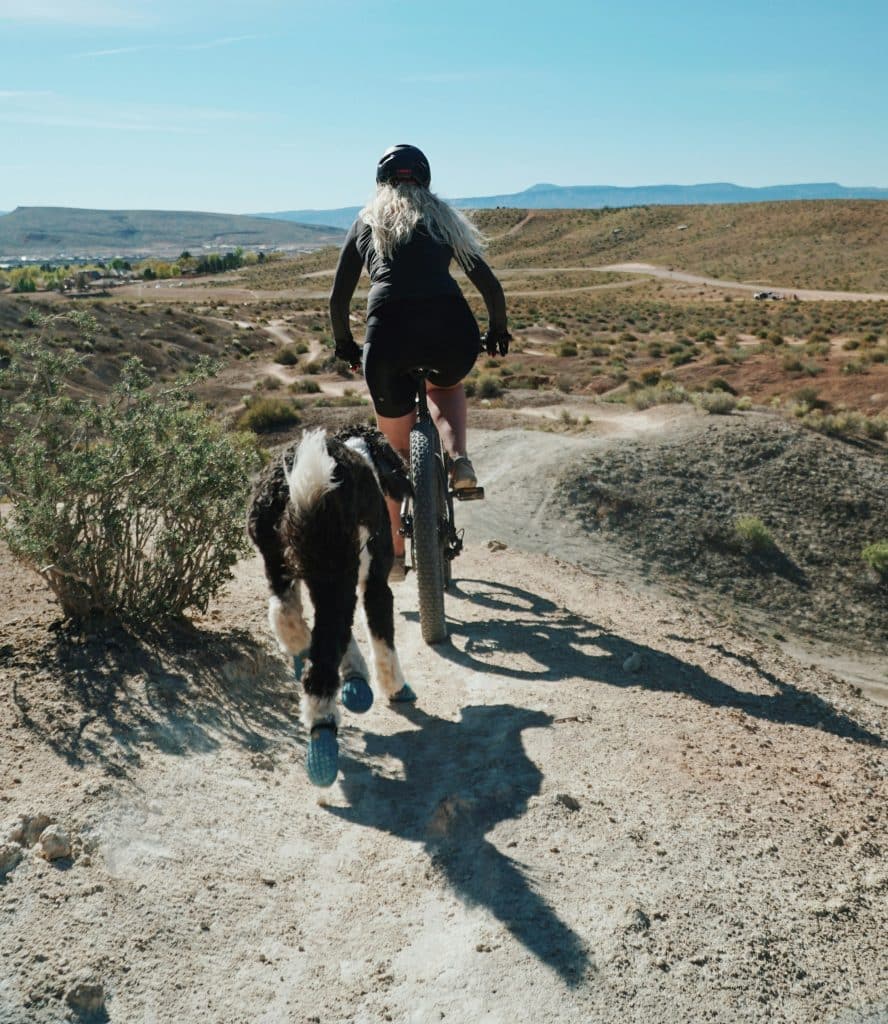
557,643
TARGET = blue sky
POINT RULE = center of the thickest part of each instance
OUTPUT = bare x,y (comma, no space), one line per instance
270,105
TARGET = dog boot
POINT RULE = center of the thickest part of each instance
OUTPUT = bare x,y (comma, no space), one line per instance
322,757
404,696
356,695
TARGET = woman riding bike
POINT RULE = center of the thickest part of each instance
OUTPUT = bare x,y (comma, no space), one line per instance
416,314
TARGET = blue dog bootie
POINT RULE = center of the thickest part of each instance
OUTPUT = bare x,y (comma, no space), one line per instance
357,695
322,757
299,664
404,696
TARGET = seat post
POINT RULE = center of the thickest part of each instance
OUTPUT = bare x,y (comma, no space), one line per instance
423,412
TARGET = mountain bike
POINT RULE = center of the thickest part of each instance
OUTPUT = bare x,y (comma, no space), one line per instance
427,519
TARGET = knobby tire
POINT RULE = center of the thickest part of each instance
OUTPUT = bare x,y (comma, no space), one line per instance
428,538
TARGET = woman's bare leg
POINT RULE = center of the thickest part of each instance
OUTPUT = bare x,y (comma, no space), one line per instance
397,432
448,409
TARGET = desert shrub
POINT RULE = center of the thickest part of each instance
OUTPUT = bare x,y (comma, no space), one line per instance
267,414
744,403
752,534
488,387
876,557
720,384
716,403
567,348
286,355
846,423
855,366
305,387
666,392
131,509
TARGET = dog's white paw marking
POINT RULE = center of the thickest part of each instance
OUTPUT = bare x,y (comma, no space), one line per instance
389,677
314,708
288,625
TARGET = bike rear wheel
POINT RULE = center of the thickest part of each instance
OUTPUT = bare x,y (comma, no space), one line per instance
429,539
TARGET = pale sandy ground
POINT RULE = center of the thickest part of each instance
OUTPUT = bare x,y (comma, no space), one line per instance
607,805
803,294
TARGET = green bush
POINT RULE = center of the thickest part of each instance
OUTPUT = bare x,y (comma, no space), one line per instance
131,509
267,414
286,355
752,534
717,403
876,557
488,387
666,392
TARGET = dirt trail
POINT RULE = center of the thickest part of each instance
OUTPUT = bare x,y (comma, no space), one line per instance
804,294
608,804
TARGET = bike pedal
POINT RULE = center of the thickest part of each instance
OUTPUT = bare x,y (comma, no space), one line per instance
469,494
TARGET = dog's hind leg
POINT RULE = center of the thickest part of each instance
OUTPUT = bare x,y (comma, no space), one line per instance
353,664
334,604
285,616
287,621
379,615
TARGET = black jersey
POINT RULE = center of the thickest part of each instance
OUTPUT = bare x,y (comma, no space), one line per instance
417,269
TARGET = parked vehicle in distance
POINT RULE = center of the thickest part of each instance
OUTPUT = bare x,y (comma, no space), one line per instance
767,295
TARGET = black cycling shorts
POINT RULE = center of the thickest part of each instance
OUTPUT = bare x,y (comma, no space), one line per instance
439,333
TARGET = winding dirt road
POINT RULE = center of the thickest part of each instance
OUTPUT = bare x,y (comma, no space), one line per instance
804,294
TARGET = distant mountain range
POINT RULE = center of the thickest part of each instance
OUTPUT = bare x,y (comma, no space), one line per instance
50,231
585,197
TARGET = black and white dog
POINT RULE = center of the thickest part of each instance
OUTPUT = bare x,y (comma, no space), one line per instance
318,516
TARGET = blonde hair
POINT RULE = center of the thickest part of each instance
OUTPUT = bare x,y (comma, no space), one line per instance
393,213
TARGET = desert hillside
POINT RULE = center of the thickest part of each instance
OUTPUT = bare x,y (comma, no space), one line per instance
645,777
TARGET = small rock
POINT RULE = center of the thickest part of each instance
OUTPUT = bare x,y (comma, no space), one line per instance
26,830
836,840
13,831
86,996
496,545
10,855
568,801
85,861
633,663
54,843
638,920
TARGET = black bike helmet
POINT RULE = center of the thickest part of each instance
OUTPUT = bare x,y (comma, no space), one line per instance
403,163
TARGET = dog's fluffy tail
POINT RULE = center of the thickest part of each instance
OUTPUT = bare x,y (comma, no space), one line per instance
311,476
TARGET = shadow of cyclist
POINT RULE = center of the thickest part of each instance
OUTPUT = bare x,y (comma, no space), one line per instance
563,644
460,780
